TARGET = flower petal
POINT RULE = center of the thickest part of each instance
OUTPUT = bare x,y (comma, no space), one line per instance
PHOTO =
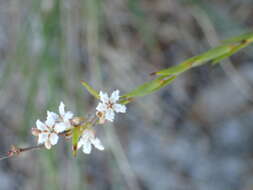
101,107
48,144
50,122
42,138
109,115
60,127
67,116
41,126
103,97
51,119
97,143
53,138
55,116
88,134
115,96
68,124
119,108
87,147
80,143
62,109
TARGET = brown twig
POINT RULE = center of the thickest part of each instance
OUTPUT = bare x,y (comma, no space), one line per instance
15,151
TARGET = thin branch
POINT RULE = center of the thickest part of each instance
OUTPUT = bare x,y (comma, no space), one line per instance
32,148
4,157
15,151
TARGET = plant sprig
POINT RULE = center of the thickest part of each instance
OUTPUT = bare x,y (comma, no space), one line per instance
212,56
81,130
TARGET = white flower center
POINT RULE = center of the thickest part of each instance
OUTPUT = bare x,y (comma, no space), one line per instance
109,105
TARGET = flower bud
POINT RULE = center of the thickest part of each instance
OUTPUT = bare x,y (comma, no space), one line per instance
76,121
35,131
101,116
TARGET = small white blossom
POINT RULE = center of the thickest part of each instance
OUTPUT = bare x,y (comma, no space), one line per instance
87,140
109,105
54,125
64,119
48,132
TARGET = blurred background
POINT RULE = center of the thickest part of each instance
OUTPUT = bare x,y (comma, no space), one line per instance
195,134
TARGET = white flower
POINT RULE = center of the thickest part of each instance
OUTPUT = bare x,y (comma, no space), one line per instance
109,105
48,132
54,125
64,119
87,140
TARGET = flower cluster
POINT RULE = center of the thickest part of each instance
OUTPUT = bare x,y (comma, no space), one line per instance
64,122
48,132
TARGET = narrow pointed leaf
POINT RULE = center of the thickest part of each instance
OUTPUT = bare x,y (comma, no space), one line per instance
175,70
76,133
92,91
233,51
126,100
195,61
228,48
150,87
248,37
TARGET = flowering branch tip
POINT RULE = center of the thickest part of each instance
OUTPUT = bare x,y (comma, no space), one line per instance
108,105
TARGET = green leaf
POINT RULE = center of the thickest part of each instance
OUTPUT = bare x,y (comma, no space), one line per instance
166,76
248,37
174,70
228,48
92,91
76,133
219,59
125,100
210,55
150,87
232,51
195,61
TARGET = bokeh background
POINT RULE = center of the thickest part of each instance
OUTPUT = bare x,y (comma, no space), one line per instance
195,134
